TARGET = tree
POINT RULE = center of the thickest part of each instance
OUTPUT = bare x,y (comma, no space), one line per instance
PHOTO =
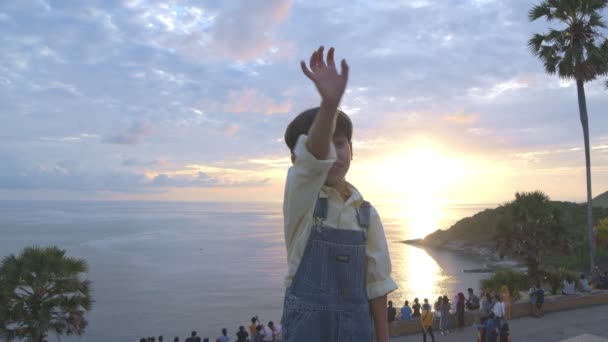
41,291
532,227
578,52
601,233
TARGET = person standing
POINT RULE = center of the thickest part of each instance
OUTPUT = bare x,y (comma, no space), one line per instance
437,308
460,310
532,294
540,299
253,326
426,320
241,335
416,308
506,300
498,310
445,315
224,337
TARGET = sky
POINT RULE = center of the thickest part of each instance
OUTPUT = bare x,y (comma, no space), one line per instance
189,100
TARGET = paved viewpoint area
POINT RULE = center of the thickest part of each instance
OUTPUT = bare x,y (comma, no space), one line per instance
589,324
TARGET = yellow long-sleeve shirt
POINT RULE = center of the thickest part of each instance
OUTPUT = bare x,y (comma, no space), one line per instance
426,319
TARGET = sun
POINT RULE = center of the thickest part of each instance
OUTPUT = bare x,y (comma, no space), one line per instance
421,178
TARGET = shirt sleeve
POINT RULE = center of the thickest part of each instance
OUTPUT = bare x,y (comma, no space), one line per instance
304,181
378,261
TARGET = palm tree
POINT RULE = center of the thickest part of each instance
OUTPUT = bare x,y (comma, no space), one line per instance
41,291
532,227
578,52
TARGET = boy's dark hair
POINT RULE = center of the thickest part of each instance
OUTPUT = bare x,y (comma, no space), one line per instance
193,333
470,290
176,339
224,331
302,123
390,303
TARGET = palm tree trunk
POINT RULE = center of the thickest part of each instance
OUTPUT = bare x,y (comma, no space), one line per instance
582,106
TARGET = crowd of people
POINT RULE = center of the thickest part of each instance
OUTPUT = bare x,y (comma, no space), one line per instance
258,332
495,308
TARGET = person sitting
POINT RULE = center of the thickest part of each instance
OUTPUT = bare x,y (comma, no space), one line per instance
472,302
603,283
406,312
585,287
595,276
391,312
569,287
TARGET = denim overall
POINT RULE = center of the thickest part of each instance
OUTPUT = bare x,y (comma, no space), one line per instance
327,300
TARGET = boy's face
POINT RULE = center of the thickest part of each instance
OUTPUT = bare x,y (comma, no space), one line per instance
344,155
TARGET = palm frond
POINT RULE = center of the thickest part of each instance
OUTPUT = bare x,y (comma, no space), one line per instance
543,9
535,43
595,20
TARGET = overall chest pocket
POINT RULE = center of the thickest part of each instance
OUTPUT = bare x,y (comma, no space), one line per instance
335,268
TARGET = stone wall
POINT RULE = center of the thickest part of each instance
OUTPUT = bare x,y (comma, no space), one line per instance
518,309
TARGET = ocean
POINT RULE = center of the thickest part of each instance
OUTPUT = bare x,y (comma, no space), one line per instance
167,268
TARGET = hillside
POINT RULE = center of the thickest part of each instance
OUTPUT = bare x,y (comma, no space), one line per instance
601,200
476,234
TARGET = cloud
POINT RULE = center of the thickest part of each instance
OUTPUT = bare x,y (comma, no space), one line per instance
189,72
131,136
247,31
231,130
203,180
82,137
134,162
461,118
249,100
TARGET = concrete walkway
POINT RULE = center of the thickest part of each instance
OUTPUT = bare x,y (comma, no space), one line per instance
583,325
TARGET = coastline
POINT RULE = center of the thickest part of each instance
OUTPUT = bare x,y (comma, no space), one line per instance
485,254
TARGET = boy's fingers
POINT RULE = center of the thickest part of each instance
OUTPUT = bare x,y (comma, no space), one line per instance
320,60
306,71
344,70
313,59
330,58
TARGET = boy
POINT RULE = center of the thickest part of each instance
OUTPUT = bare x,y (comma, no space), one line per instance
338,262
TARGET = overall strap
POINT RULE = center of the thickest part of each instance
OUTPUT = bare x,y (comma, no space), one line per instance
364,216
321,208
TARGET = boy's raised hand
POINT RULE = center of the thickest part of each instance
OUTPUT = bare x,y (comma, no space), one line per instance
324,75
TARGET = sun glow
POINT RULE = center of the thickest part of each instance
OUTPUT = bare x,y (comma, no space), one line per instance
421,179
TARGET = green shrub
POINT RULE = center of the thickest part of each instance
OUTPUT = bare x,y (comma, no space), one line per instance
555,278
516,281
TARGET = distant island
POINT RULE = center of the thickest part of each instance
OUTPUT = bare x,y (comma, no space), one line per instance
476,235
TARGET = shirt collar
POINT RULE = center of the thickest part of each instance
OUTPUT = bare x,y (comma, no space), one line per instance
355,198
